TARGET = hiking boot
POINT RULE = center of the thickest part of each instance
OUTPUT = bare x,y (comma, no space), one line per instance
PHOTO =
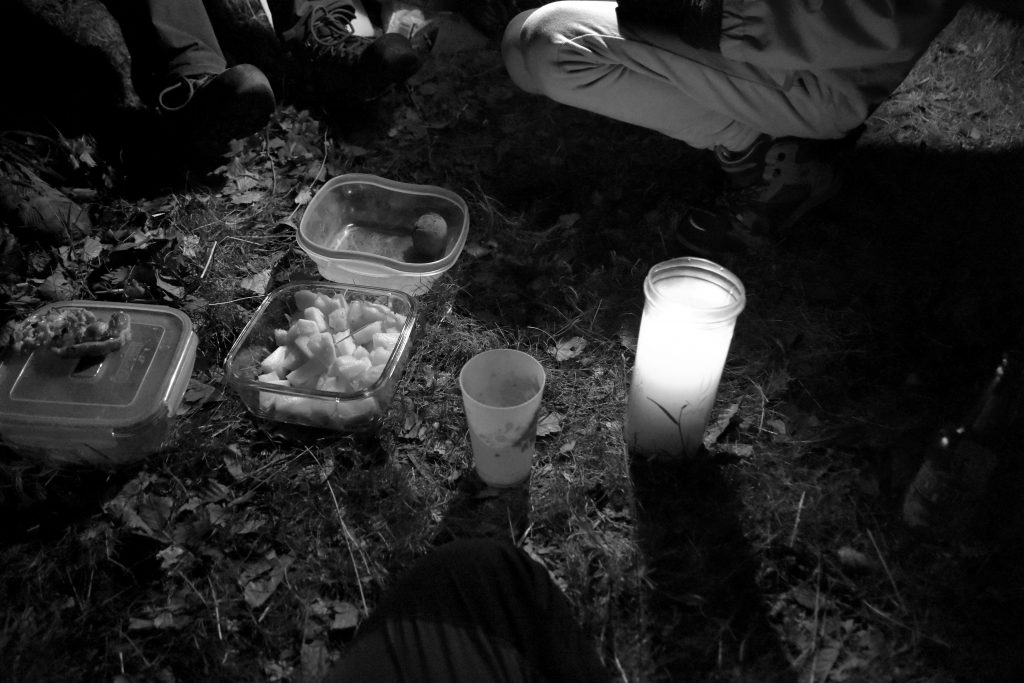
771,186
341,65
204,113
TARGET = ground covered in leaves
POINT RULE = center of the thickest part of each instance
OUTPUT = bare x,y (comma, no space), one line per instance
248,550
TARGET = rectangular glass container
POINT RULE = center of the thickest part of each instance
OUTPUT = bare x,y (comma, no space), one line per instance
269,394
104,411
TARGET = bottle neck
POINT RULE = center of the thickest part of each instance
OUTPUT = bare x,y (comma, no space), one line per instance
994,411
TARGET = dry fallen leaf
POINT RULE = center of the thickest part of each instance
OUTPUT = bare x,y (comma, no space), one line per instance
257,283
568,348
260,579
550,424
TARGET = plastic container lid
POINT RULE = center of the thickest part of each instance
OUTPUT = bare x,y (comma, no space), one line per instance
101,410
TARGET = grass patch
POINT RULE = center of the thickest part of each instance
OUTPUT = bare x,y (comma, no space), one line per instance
248,551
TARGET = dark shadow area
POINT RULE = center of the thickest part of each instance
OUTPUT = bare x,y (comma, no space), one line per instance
38,504
704,597
477,510
1010,8
924,247
61,83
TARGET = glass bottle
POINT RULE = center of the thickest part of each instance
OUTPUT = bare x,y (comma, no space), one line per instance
949,489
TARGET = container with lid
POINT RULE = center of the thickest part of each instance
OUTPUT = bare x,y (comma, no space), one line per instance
105,411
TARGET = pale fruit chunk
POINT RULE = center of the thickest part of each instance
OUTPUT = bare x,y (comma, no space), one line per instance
334,385
350,367
302,345
279,362
306,375
379,355
362,313
385,340
364,335
317,316
353,410
303,327
338,319
393,322
343,343
372,374
322,350
268,399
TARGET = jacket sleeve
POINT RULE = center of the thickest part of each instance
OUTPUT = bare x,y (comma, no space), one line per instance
831,34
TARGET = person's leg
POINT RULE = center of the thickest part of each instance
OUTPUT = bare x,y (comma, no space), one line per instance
185,41
579,53
774,134
471,611
199,103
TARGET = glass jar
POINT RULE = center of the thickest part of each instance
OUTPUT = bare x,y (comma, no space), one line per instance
690,310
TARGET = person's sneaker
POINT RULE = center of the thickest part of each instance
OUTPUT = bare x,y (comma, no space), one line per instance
341,65
771,186
204,113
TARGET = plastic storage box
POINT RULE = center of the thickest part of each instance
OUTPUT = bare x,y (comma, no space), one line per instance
104,411
358,230
282,369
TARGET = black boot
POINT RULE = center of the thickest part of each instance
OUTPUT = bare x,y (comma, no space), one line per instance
341,67
203,114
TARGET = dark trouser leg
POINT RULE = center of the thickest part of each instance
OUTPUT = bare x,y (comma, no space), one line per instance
168,40
472,611
185,37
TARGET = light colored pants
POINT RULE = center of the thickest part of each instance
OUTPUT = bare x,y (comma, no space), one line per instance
577,53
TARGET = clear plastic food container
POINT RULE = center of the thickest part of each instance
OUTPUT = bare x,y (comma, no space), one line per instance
105,411
358,229
323,355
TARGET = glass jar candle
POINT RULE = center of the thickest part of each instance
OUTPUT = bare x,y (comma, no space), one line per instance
690,310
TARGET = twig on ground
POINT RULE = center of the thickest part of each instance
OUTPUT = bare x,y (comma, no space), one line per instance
885,566
235,301
209,260
622,672
764,402
796,522
896,622
817,621
349,540
216,608
420,468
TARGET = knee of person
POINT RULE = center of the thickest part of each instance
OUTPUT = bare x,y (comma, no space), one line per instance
513,53
529,47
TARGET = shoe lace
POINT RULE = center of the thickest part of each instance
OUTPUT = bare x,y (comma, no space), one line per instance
177,96
331,31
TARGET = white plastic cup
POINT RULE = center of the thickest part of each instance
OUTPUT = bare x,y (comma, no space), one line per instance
501,392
